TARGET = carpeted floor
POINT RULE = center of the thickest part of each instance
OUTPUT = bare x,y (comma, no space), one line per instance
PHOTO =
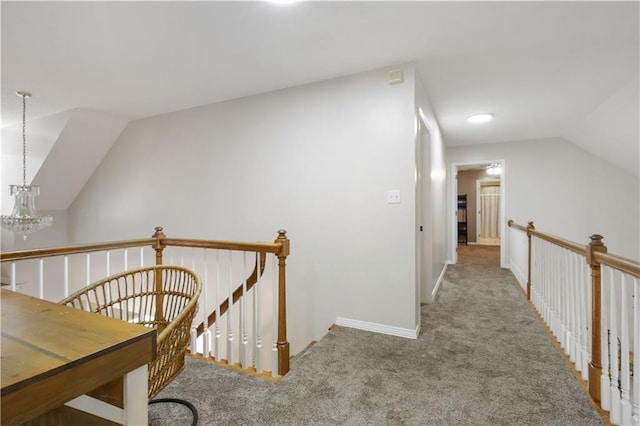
482,358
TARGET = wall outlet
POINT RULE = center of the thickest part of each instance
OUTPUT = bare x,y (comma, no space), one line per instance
393,196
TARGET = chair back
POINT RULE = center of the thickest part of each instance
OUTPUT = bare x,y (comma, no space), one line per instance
163,297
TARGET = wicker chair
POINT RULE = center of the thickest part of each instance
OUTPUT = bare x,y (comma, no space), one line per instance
163,297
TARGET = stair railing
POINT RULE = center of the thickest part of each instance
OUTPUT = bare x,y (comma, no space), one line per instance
590,301
241,325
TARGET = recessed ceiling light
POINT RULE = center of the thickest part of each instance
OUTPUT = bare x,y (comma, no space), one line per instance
283,2
480,118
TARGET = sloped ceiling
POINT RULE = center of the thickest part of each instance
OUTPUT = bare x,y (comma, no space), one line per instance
545,69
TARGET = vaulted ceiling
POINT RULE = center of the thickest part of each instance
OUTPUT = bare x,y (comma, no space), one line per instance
545,69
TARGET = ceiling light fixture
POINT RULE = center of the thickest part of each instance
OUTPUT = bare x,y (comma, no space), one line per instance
283,2
494,169
24,217
480,118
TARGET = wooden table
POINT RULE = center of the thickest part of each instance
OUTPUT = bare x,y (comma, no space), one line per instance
53,354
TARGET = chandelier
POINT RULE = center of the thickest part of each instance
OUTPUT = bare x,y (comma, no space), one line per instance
24,217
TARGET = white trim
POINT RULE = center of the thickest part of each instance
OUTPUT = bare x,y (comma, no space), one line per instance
434,293
98,408
520,276
135,394
379,328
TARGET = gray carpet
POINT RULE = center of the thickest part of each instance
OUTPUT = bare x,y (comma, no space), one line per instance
482,358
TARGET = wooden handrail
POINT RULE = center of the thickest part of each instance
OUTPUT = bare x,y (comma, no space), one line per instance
223,245
237,294
595,254
569,245
159,241
115,245
77,249
620,263
514,225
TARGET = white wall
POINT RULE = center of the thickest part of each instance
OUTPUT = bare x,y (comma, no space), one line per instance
315,160
565,190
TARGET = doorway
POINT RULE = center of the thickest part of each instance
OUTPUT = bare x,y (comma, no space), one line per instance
483,190
488,211
424,252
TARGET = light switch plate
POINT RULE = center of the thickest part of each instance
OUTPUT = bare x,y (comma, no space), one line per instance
393,196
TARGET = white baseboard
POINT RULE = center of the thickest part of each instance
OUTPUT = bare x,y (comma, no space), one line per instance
434,293
379,328
520,276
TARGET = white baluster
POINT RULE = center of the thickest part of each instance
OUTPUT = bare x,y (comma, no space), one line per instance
585,326
244,344
257,315
218,334
274,345
635,332
613,354
589,311
625,384
108,263
542,281
605,337
577,285
537,283
141,257
548,288
88,269
206,335
66,276
563,307
569,295
126,259
572,301
551,294
41,279
194,340
14,287
230,348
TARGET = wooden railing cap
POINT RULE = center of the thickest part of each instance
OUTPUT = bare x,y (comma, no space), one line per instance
284,243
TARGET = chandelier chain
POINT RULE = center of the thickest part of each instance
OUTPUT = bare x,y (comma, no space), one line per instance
24,140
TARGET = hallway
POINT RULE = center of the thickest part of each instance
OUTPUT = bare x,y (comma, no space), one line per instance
478,255
482,358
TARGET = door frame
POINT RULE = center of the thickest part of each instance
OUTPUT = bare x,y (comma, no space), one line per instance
453,207
423,200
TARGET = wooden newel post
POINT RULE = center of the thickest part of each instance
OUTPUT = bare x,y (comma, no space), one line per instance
530,229
283,344
158,246
595,366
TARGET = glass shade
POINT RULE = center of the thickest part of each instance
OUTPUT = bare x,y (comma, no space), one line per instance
24,217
